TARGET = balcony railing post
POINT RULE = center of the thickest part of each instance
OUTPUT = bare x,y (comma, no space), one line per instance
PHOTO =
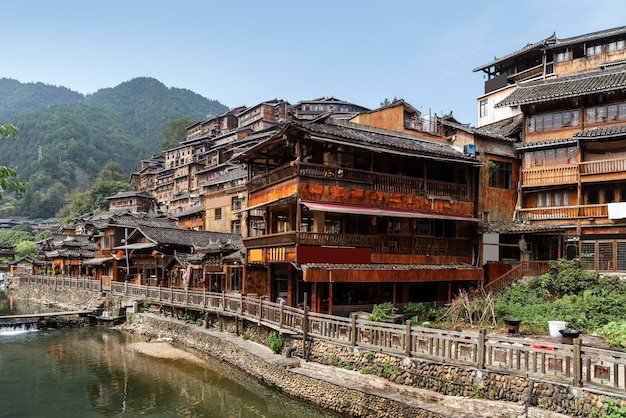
407,340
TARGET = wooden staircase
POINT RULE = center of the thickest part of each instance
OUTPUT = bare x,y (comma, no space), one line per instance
525,268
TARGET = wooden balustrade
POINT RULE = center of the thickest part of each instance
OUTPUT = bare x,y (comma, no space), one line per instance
380,244
543,176
602,166
578,364
388,183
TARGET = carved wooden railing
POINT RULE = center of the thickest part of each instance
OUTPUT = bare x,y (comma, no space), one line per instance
564,212
389,183
541,176
380,244
603,166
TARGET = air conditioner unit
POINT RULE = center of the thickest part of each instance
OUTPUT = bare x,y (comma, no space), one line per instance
240,196
469,149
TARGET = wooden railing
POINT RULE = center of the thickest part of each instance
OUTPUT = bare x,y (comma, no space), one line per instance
602,166
575,364
389,183
564,212
380,244
541,176
524,269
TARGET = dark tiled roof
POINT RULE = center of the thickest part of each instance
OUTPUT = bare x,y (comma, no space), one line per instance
194,239
529,47
567,87
515,228
378,139
590,37
545,144
552,42
607,132
498,132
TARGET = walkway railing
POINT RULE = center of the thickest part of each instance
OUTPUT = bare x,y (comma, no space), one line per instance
575,364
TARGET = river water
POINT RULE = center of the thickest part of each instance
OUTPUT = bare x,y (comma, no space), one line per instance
92,372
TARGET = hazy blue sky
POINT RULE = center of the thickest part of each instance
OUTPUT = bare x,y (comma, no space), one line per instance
246,52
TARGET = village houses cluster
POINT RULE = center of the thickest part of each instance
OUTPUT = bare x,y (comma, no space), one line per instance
354,207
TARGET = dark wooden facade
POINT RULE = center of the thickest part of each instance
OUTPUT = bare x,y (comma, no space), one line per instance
355,216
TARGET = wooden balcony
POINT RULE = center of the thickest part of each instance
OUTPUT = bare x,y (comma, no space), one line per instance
603,170
564,212
546,176
379,244
364,180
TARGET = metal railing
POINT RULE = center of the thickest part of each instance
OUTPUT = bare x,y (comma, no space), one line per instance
575,364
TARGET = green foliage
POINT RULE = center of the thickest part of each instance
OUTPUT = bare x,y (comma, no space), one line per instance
25,248
583,299
175,132
78,135
369,356
275,341
365,370
246,336
614,334
8,175
335,360
380,312
611,408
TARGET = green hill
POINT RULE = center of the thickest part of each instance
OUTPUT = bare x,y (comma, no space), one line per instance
18,98
61,147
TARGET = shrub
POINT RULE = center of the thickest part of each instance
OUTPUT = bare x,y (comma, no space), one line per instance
275,341
380,312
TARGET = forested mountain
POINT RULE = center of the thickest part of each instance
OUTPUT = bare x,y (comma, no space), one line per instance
18,98
61,148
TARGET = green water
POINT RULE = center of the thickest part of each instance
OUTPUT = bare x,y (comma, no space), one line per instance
91,372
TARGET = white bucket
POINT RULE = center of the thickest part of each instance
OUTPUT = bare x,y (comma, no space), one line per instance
555,327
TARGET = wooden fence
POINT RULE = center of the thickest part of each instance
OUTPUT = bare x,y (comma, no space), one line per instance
575,364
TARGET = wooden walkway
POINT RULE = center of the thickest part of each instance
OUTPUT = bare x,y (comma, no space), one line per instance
45,315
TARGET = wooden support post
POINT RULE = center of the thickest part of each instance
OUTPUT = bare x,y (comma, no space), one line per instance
354,331
305,327
480,354
407,338
578,364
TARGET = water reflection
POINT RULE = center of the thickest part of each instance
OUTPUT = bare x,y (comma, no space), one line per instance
93,372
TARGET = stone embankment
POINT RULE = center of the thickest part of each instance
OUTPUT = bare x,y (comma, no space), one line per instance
349,381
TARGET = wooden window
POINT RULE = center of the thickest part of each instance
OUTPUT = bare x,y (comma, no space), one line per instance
528,160
591,115
550,157
531,124
218,214
539,157
622,111
500,174
561,156
612,112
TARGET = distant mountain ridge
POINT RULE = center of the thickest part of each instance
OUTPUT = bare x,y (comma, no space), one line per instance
18,98
66,138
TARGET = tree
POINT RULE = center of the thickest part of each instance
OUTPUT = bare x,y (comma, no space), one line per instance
175,132
386,102
8,175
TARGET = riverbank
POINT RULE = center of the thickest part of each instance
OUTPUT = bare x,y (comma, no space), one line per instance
365,380
343,391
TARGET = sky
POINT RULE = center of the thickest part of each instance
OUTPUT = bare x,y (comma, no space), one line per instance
242,53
